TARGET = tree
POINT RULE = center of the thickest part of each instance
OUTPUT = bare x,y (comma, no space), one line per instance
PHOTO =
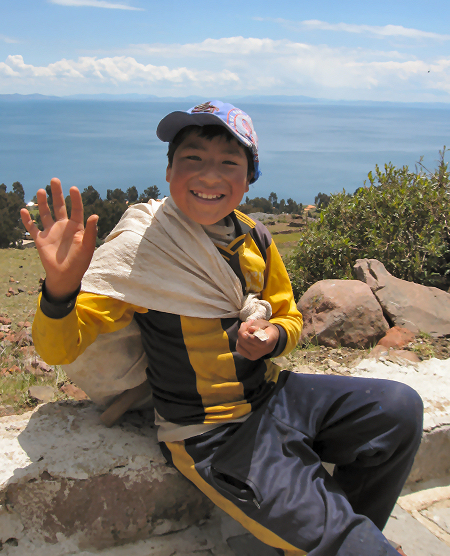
151,192
273,198
132,194
48,189
11,228
17,188
116,195
322,200
89,195
292,207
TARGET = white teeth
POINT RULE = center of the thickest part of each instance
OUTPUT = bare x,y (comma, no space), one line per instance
205,196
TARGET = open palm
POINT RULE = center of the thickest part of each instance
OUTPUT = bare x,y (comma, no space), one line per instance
65,246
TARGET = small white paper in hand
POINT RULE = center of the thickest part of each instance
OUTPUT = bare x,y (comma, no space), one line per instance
261,334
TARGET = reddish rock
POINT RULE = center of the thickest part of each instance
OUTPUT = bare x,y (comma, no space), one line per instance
24,338
14,369
74,392
342,313
5,320
25,324
413,306
43,366
36,371
11,279
397,337
11,291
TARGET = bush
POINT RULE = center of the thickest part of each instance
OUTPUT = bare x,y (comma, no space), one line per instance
401,219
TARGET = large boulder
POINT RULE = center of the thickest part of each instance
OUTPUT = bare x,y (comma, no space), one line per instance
341,313
413,306
64,475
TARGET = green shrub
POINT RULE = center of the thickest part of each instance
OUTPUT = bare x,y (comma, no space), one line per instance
400,218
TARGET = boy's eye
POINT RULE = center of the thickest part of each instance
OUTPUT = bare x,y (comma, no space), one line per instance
193,157
230,162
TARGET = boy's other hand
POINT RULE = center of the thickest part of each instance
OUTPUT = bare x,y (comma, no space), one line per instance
252,347
65,246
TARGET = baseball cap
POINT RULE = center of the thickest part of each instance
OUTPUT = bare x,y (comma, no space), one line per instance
213,112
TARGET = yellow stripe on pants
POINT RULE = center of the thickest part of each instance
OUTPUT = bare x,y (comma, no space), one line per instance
186,465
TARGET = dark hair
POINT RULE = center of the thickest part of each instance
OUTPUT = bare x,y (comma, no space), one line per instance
208,132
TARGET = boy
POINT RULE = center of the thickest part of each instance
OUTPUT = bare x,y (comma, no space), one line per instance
190,270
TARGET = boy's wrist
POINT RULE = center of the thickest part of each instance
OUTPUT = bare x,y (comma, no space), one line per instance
280,345
57,308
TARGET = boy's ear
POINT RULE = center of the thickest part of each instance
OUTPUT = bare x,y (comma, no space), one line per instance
168,173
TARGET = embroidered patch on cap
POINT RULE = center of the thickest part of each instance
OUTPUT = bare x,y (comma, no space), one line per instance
205,107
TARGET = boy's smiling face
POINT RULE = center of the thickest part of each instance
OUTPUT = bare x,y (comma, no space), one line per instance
208,177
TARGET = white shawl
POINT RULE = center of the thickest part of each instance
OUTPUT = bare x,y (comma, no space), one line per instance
158,258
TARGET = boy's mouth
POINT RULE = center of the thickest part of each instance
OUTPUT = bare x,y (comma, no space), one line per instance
207,196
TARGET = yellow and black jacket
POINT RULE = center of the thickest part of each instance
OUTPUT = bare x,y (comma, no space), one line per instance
196,375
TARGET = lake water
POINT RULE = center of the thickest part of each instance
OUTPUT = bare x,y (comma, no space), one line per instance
304,149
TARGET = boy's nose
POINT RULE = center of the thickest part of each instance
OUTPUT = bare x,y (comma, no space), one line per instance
209,174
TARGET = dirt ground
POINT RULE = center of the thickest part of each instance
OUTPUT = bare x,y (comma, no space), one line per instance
425,347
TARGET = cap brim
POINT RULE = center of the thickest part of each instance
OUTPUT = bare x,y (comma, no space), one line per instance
171,124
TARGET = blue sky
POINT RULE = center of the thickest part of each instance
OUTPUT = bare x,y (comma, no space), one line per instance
353,50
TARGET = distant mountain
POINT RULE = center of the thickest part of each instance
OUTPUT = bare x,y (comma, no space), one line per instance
253,99
35,96
282,99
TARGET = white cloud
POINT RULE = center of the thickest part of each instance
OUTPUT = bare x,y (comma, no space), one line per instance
231,46
373,30
94,4
119,69
8,40
238,65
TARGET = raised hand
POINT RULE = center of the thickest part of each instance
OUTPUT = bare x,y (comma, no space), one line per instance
65,246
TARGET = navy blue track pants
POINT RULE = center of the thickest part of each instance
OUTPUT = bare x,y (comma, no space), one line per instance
267,471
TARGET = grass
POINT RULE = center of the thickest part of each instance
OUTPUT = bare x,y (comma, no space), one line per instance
14,385
279,239
24,266
423,346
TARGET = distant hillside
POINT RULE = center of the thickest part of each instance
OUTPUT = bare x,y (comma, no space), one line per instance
16,97
253,99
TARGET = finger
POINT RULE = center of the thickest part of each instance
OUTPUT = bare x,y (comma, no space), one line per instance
59,206
90,233
77,211
44,210
29,224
